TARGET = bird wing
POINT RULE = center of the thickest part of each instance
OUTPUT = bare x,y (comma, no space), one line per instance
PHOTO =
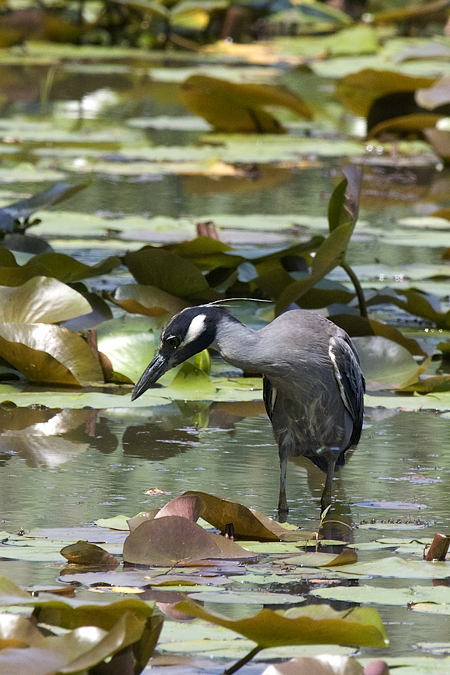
270,396
350,380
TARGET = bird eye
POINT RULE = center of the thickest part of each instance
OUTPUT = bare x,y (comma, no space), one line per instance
173,341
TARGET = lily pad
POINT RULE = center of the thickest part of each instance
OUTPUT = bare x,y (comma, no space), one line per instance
315,624
50,354
173,540
41,300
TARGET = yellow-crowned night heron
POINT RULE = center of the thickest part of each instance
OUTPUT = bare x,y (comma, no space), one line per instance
313,385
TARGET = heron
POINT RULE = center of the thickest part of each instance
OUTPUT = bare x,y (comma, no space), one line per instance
313,387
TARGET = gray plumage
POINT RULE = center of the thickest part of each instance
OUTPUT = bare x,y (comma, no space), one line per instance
313,385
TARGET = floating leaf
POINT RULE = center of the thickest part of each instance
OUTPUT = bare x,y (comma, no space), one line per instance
319,665
347,556
25,207
173,540
385,596
315,624
238,107
85,553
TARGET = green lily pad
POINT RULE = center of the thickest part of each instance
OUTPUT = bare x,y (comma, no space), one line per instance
315,624
246,597
398,568
386,596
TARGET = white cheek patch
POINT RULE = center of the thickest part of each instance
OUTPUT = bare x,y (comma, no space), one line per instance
195,329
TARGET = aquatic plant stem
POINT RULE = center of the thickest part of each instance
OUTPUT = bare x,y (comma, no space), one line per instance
245,659
358,289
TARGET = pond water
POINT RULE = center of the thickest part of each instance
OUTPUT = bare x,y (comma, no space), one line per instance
68,468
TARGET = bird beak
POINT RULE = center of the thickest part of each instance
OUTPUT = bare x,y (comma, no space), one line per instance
151,374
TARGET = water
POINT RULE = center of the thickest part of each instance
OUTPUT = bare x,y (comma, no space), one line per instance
63,478
69,468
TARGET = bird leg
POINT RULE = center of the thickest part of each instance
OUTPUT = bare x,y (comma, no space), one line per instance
326,494
282,501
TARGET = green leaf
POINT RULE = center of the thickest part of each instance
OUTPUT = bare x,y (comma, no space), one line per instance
232,107
315,624
342,216
57,265
385,362
171,273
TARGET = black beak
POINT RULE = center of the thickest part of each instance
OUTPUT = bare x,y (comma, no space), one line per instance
151,374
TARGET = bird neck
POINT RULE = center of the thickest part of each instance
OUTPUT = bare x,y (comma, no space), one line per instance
236,343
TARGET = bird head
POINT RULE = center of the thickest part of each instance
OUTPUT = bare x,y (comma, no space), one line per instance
186,334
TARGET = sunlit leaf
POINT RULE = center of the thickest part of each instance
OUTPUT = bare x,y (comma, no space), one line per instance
315,624
129,343
357,91
220,512
405,123
346,557
74,652
41,300
398,568
49,354
191,379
